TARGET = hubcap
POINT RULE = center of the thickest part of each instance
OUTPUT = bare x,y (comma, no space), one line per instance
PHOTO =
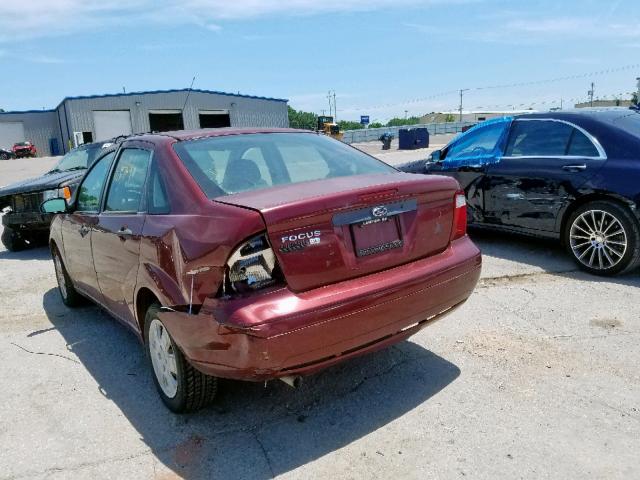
62,284
598,239
163,358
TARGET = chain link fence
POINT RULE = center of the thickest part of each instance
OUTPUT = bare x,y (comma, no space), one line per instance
373,134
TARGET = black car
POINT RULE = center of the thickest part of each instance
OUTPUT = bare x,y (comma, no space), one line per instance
24,224
573,176
5,154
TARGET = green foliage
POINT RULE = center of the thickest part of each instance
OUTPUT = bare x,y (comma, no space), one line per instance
304,120
449,118
349,125
376,125
399,122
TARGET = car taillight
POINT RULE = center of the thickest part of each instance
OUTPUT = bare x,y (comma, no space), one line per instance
459,216
252,265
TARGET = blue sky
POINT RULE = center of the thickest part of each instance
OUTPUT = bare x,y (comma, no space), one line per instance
382,57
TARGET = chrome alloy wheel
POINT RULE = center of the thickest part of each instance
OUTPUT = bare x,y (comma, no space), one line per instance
598,239
62,282
163,358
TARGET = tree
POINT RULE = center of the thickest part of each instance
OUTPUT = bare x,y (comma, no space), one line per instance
304,120
449,118
399,122
349,125
376,125
634,98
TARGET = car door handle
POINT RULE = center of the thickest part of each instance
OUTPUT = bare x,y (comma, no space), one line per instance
574,168
124,232
84,230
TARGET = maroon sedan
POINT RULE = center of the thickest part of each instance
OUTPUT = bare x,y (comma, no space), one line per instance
259,254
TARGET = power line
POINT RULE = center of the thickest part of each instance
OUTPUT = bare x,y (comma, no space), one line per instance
499,86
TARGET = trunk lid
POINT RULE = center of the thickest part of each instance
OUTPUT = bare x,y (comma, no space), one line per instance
332,230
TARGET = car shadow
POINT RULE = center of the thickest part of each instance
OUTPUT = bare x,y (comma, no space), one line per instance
252,430
32,253
546,254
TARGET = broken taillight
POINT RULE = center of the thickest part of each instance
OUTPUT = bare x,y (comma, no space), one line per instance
252,265
459,216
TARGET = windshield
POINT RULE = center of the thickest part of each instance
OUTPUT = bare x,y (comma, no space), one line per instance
239,163
77,159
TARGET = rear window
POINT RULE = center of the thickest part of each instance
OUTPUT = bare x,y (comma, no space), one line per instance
240,163
629,123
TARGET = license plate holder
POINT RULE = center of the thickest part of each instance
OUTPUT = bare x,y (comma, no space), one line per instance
376,236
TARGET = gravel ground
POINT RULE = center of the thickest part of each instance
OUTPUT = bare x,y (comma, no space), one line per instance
536,376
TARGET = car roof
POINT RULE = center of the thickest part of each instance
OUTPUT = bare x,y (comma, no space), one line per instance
604,115
184,135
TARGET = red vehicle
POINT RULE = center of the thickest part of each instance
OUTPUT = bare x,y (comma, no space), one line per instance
259,254
24,149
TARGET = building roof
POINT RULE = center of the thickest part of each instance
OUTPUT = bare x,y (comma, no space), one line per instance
176,90
150,92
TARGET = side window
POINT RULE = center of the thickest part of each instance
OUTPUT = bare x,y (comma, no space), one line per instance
127,183
478,142
538,138
91,188
581,146
157,201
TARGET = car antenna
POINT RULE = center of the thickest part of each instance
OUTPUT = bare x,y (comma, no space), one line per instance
188,93
193,274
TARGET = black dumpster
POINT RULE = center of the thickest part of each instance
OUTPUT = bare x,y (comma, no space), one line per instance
413,138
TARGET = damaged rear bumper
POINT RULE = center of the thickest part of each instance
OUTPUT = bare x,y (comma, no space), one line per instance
285,333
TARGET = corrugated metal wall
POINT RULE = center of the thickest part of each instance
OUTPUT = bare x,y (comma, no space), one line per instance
39,128
76,114
243,111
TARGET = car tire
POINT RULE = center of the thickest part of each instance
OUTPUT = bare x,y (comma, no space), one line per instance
182,388
70,296
4,156
13,240
603,237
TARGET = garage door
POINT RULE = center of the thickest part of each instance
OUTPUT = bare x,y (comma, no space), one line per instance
10,133
111,123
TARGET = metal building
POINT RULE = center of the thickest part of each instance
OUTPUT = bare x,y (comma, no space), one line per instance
78,120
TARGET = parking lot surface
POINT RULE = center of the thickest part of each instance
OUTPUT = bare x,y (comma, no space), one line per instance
536,376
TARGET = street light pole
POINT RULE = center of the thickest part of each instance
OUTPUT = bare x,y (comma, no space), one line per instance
591,94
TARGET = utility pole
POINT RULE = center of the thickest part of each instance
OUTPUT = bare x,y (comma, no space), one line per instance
462,90
406,113
561,101
335,109
329,98
591,94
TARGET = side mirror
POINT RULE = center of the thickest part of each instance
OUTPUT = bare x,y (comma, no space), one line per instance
54,205
435,156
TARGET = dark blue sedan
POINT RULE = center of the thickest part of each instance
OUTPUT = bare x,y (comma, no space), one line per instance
573,176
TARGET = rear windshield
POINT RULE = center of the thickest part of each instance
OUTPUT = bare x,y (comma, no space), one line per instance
629,123
240,163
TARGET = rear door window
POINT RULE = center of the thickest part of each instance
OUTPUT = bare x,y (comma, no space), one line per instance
127,184
538,138
581,146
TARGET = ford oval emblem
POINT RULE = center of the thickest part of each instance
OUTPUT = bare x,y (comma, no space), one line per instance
379,212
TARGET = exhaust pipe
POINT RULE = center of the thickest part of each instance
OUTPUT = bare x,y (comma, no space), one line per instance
293,382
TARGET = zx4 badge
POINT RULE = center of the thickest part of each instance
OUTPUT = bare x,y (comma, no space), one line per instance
299,241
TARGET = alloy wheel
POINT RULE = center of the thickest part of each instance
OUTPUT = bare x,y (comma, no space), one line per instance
598,239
